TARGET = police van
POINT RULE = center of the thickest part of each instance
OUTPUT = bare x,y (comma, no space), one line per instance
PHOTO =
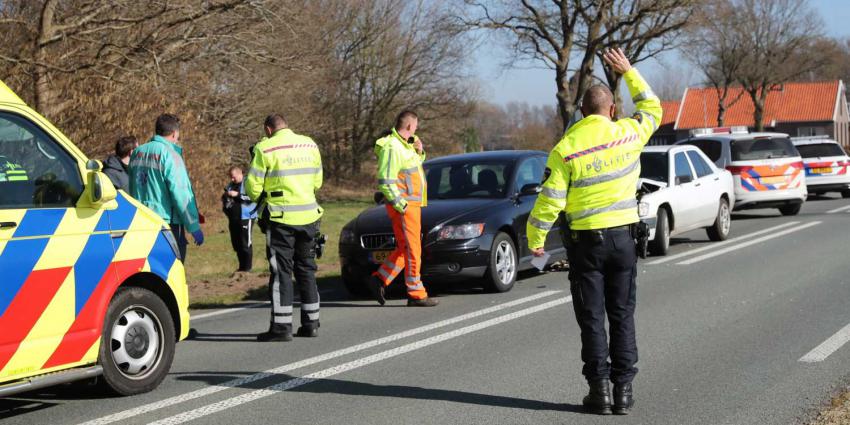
766,167
827,165
91,282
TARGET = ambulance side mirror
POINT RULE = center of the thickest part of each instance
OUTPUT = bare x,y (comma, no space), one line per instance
99,188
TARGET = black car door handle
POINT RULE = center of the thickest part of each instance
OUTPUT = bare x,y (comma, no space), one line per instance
8,225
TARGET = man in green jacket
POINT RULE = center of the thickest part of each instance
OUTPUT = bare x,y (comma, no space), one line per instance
158,179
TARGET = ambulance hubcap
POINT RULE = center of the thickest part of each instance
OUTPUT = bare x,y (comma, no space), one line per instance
136,342
505,263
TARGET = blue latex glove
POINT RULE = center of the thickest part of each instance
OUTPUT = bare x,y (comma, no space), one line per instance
198,236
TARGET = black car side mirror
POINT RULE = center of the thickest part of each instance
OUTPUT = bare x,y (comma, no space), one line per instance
530,189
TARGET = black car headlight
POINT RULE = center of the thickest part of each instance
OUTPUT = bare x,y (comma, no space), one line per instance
462,231
347,236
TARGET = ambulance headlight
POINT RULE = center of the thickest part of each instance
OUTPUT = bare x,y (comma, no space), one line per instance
463,231
643,209
169,236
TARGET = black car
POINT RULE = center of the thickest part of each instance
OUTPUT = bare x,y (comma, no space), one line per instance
473,226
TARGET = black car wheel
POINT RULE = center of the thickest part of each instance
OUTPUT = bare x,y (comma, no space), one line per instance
790,209
719,231
502,270
661,243
137,344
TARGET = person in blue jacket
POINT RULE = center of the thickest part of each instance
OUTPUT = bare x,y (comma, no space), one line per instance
159,180
241,214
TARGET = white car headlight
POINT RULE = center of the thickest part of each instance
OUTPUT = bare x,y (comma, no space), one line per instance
347,236
463,231
643,209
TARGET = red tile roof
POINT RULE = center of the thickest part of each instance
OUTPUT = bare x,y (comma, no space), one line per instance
791,102
671,110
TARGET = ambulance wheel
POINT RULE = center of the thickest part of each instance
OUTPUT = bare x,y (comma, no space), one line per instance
137,345
661,243
719,231
790,209
502,270
845,194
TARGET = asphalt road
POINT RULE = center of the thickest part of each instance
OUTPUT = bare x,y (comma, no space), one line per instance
727,334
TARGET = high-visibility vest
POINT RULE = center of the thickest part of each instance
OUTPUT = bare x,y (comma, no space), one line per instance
287,168
10,171
400,172
592,173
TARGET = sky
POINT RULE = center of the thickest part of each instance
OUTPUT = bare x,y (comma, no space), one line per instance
537,86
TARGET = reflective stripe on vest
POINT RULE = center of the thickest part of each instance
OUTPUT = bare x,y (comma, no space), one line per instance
293,208
616,206
602,178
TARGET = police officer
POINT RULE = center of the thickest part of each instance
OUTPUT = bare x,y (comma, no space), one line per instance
402,181
286,171
591,176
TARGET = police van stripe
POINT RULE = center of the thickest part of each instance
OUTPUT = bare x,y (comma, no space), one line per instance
603,178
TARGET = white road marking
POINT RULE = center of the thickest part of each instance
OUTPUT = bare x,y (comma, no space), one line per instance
115,417
225,311
746,244
831,345
715,245
838,210
345,367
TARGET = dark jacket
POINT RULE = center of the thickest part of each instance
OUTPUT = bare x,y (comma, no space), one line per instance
117,172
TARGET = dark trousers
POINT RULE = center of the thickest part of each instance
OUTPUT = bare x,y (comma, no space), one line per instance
241,240
602,280
179,232
292,251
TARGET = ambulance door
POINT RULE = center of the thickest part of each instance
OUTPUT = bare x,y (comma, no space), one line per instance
52,254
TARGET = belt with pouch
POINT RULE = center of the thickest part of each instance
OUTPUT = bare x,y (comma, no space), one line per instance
598,235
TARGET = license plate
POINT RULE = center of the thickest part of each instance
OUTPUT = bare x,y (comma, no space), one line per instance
379,257
822,170
773,180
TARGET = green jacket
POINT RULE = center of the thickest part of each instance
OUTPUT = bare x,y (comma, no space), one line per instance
158,179
592,173
287,168
400,175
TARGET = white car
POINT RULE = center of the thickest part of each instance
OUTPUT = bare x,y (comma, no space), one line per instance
827,165
682,190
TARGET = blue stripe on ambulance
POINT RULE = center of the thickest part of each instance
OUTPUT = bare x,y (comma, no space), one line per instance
91,266
119,218
161,258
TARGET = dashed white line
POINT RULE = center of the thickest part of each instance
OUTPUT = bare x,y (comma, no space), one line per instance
365,361
825,349
715,245
838,210
746,244
147,408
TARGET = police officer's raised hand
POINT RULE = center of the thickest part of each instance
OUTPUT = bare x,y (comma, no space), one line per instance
198,236
617,60
417,144
538,252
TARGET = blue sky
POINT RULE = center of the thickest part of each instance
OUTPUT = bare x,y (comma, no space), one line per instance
537,86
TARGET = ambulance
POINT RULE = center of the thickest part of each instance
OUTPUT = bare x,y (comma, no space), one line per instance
90,280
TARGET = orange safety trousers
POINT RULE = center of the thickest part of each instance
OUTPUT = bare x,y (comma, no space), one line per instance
407,255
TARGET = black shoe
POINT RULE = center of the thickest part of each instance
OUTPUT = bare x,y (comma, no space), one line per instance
307,332
376,287
424,302
623,400
598,400
272,336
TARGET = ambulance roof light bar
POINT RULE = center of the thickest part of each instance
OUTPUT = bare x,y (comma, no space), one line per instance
737,129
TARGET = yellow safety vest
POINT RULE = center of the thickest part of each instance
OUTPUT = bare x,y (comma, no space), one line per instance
10,171
400,175
287,168
592,173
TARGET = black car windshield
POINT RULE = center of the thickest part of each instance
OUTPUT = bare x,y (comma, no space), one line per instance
457,180
653,166
820,149
762,148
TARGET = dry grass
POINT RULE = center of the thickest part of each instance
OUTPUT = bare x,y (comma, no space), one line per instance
838,411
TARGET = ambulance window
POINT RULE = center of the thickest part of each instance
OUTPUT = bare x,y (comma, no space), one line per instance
35,172
683,169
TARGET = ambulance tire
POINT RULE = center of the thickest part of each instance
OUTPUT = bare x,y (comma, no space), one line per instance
131,363
502,268
719,231
661,243
790,209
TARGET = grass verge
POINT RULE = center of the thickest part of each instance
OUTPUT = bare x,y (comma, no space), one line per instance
838,411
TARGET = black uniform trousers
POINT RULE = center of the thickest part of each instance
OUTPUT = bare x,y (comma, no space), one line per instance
603,267
241,240
292,251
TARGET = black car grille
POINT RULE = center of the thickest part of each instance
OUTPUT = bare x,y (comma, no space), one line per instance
378,241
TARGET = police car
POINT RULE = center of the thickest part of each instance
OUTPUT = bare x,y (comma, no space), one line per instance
766,167
91,281
827,165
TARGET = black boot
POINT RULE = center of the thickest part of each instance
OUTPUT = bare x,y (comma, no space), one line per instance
598,400
424,302
623,400
376,287
276,334
308,331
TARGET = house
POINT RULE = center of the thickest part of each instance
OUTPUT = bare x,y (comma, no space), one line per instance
666,133
797,108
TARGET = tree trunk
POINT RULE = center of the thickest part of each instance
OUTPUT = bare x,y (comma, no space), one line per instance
44,98
721,112
758,113
565,104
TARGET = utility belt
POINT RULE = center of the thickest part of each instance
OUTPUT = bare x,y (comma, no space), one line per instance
638,231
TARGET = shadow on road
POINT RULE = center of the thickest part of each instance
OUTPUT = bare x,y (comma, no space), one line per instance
362,389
